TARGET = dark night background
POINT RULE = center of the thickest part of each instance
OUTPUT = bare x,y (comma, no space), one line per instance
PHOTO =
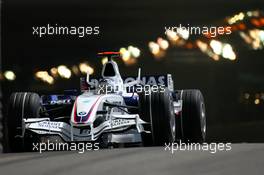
123,23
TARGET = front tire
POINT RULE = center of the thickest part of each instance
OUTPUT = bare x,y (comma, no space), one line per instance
144,113
193,116
21,105
159,113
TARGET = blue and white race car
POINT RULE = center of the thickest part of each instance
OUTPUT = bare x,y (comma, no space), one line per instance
110,111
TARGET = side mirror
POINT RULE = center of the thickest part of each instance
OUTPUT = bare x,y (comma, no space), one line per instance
139,75
137,81
88,79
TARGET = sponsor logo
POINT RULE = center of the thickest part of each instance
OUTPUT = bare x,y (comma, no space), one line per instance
49,125
145,80
119,122
82,113
60,102
151,80
86,101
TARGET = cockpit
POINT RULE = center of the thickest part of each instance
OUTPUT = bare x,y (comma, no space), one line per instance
109,70
111,81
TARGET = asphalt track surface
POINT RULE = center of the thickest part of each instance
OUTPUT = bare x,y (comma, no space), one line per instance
242,159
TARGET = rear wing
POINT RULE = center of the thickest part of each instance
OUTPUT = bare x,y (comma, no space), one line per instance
109,55
159,80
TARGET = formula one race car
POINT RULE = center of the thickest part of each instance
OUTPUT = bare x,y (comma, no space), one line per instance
110,110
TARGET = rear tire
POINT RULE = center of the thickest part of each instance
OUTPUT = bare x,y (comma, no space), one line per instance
193,116
21,105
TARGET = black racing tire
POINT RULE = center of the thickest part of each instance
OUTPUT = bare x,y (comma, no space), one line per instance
21,105
144,113
157,109
163,118
193,116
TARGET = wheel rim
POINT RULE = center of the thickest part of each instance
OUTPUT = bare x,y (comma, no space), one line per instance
172,122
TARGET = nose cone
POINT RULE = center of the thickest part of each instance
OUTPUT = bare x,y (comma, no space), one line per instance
84,109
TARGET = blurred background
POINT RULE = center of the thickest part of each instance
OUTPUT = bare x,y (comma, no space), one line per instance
229,69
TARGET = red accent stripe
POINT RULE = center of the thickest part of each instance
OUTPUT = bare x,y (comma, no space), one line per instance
109,53
91,110
75,110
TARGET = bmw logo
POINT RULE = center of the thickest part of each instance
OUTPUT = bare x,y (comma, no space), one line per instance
82,113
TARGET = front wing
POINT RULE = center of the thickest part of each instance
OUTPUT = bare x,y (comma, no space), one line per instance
70,133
